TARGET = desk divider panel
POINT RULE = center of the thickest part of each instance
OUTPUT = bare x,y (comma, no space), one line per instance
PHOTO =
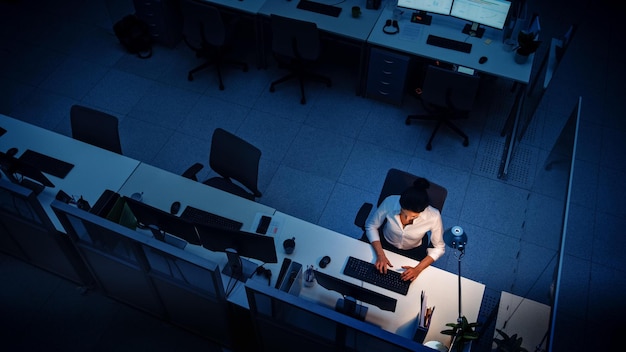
151,275
284,322
27,233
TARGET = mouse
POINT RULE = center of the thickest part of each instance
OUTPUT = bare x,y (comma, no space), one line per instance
12,151
324,261
175,207
482,60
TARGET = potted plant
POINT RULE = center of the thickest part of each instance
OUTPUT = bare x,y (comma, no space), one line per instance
462,333
509,343
526,45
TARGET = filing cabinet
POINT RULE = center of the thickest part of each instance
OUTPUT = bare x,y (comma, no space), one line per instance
386,75
164,19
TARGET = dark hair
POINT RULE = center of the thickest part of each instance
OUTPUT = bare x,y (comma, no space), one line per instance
415,198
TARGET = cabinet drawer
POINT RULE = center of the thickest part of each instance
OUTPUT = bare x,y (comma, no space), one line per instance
386,75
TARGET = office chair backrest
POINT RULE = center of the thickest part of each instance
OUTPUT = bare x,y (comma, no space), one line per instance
233,158
96,128
202,23
446,88
295,38
397,181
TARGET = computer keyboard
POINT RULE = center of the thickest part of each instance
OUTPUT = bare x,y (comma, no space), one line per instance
203,217
320,8
448,43
366,271
47,164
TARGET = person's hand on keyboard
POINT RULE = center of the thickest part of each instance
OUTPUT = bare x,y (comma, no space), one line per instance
410,273
382,262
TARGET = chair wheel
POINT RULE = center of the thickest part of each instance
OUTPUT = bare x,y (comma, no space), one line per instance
245,69
303,101
272,90
190,77
329,84
429,146
407,121
465,143
221,87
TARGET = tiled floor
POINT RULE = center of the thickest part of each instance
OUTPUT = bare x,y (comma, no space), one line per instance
323,159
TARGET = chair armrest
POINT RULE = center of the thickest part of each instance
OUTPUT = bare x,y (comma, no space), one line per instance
362,215
192,171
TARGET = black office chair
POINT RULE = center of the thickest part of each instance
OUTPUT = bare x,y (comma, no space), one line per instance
446,95
95,127
207,35
296,44
395,183
234,160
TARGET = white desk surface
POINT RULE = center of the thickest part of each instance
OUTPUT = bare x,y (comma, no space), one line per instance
344,25
95,169
526,318
412,40
161,188
313,242
246,6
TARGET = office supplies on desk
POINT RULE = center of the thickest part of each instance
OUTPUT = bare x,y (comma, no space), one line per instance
448,43
320,8
203,217
46,164
366,271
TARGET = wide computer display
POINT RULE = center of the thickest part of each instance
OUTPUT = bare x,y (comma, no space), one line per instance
492,13
441,7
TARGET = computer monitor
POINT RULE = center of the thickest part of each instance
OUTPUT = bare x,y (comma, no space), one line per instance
162,223
237,244
422,7
492,13
23,173
353,293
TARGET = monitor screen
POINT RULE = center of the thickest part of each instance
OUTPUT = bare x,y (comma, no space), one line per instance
162,222
237,244
441,7
245,244
356,292
16,170
492,13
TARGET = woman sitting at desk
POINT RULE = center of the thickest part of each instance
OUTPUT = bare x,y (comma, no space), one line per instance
400,224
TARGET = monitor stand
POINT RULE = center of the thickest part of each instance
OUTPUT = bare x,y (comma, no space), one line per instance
474,30
237,267
348,306
421,17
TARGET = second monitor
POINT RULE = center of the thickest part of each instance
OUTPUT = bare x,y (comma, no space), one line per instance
423,7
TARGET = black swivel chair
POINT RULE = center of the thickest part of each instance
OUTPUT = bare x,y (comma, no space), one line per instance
296,44
395,183
235,160
95,127
446,95
207,35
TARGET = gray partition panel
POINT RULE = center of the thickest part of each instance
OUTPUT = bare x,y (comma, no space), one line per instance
284,322
27,233
136,268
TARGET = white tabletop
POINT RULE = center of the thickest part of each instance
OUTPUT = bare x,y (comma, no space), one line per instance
345,25
313,242
246,6
528,319
94,170
412,40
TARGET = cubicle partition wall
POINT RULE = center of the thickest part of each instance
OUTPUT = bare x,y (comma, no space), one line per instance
285,322
27,232
137,269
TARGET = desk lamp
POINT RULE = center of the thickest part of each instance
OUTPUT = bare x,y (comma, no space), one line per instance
456,239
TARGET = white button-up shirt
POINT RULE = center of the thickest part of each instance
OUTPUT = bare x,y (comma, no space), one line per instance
411,235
